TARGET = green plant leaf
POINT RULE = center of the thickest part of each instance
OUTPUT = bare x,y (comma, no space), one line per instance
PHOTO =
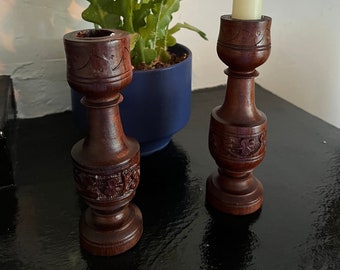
150,54
102,12
133,40
154,33
179,26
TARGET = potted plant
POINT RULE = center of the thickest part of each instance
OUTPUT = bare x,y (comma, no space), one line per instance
157,102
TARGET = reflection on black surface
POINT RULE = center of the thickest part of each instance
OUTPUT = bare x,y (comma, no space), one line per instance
8,224
325,243
162,185
165,202
162,198
228,242
127,260
6,173
8,210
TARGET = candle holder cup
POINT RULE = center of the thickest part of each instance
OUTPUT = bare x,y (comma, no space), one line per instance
106,162
237,134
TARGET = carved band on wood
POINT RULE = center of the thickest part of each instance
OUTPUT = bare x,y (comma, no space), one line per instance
104,66
107,187
236,146
249,35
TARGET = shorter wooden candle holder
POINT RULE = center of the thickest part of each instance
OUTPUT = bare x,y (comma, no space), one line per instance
106,163
237,134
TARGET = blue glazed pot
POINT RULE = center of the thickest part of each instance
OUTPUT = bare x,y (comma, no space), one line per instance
156,104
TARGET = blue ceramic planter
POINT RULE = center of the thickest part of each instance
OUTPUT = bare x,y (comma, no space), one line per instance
156,104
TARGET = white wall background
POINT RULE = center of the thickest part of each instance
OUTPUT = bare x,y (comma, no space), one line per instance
304,67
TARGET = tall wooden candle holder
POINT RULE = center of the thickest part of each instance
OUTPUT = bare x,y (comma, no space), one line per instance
106,162
237,134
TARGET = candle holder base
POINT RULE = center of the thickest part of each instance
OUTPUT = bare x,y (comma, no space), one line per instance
244,198
112,241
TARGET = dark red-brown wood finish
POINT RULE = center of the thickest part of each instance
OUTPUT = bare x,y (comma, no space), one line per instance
106,162
237,135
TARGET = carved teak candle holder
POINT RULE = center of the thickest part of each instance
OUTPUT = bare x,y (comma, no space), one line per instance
106,162
237,134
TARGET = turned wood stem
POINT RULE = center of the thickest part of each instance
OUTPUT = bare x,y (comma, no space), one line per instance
104,129
239,103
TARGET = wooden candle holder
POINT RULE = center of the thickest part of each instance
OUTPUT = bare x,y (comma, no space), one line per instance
106,162
237,134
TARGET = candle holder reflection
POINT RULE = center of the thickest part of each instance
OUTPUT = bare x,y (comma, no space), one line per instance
237,134
228,241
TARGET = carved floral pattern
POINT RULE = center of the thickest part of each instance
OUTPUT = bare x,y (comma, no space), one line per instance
107,186
239,147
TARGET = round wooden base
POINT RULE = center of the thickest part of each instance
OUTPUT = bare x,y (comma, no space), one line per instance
111,240
234,196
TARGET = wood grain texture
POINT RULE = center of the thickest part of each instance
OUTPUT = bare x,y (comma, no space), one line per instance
106,162
238,129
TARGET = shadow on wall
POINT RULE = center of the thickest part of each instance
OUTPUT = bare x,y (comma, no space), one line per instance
21,22
32,52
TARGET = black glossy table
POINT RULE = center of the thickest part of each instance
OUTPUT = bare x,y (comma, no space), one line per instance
297,228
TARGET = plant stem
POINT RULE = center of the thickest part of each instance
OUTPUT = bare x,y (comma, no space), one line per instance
128,16
139,51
